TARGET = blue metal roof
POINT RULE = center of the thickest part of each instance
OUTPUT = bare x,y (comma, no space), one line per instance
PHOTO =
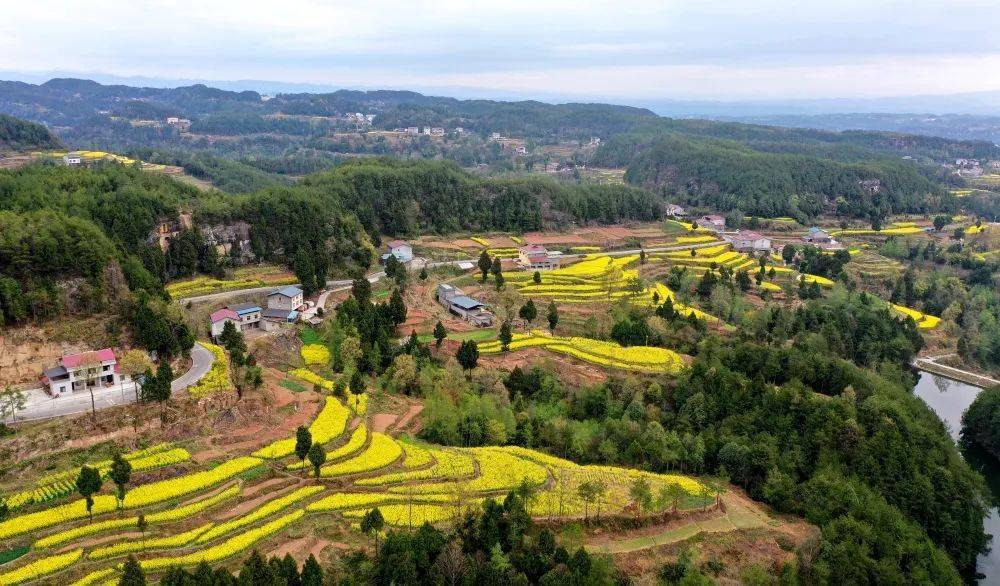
465,302
289,291
245,308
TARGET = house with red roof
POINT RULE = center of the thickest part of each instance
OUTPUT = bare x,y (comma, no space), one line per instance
400,249
219,318
82,372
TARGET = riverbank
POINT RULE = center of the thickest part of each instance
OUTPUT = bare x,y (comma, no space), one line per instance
930,365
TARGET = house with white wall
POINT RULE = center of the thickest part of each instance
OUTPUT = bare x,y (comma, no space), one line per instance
82,372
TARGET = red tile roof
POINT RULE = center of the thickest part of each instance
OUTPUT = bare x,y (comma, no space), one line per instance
74,360
224,313
397,243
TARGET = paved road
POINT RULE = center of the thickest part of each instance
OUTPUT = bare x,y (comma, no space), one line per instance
41,406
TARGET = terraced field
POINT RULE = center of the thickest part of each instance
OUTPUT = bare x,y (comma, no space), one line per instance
598,278
410,482
639,358
870,263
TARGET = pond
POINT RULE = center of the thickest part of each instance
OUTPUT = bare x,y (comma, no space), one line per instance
949,399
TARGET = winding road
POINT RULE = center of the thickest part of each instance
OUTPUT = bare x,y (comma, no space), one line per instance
41,406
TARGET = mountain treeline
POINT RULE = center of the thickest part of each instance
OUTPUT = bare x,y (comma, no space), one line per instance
729,176
20,135
407,197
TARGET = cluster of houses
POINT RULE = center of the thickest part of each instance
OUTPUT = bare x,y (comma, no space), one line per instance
283,307
82,372
436,131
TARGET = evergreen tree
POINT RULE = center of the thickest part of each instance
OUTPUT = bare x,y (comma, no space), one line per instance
121,473
468,354
305,271
553,316
317,457
528,311
397,307
485,264
312,573
361,289
439,333
303,441
88,483
536,278
132,574
372,524
505,336
357,384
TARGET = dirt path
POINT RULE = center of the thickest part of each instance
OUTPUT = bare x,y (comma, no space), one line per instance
254,489
741,513
407,417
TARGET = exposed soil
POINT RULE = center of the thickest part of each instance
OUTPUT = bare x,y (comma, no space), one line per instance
383,421
408,417
254,489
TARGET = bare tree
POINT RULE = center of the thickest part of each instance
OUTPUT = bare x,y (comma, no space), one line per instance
450,563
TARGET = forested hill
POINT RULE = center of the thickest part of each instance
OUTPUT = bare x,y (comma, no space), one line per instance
407,197
21,135
726,175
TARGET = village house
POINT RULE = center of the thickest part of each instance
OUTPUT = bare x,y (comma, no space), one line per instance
437,131
412,130
674,211
594,142
399,249
537,257
218,319
82,372
288,298
272,319
748,241
465,307
245,316
72,159
821,239
712,222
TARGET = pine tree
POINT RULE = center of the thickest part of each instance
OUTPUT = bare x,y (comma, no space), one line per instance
397,307
303,441
505,336
88,483
439,333
132,574
305,271
553,316
372,524
312,573
121,473
485,264
528,311
317,457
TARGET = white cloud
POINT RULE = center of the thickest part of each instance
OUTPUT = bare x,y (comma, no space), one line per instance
647,48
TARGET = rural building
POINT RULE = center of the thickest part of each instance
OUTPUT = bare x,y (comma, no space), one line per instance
821,239
219,318
399,249
412,130
537,257
82,372
748,241
274,318
249,314
72,159
437,131
287,298
713,222
465,307
245,316
674,211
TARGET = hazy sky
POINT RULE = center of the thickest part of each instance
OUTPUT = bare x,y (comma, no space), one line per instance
722,49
